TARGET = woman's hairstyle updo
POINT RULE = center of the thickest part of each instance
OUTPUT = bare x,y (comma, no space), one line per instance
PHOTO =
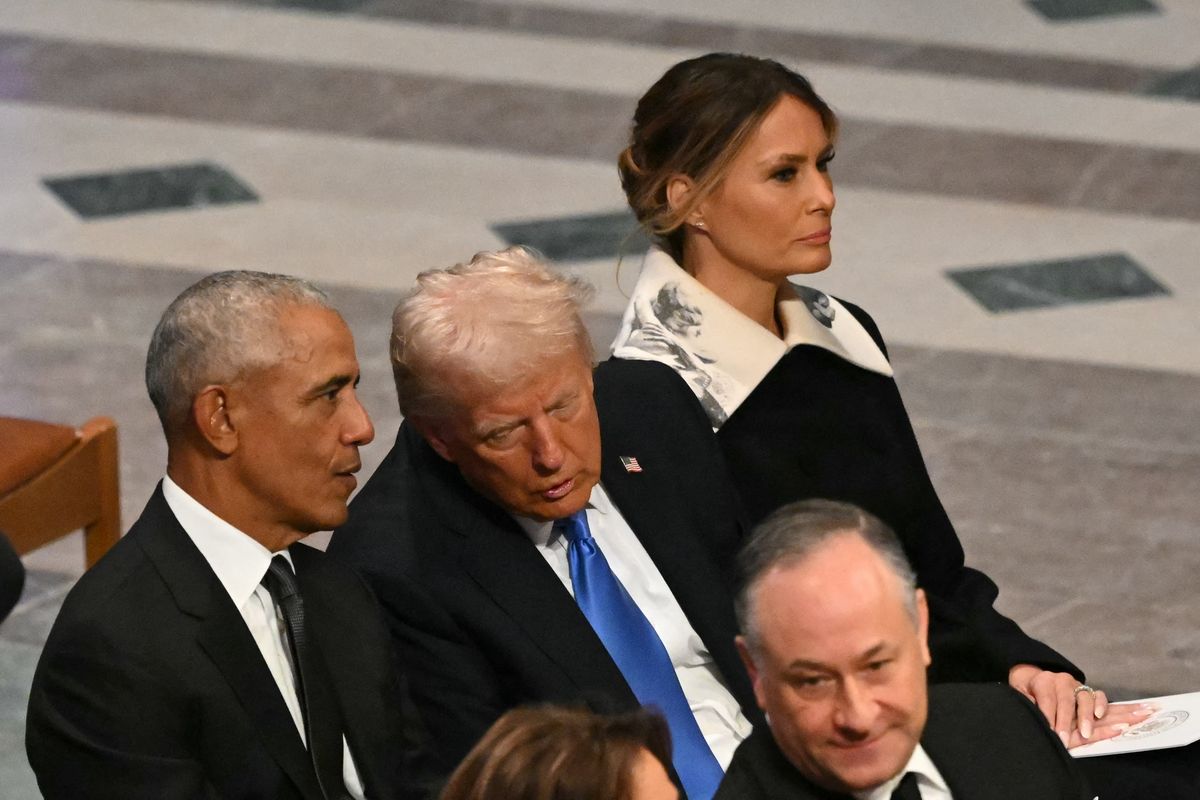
693,122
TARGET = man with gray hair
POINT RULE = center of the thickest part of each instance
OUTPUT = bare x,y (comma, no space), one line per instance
834,639
208,654
543,533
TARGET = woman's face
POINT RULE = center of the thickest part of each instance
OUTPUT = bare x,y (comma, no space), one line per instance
770,215
650,781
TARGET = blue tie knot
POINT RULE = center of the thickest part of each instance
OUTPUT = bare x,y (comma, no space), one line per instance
575,528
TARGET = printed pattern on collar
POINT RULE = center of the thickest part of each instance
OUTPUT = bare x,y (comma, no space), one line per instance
722,354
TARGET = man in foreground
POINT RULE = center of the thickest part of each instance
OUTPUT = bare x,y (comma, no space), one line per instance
537,537
208,654
834,639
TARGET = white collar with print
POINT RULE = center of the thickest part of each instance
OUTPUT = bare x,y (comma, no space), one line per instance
722,354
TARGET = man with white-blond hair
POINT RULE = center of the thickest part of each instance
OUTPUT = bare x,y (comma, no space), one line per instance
834,639
541,533
209,654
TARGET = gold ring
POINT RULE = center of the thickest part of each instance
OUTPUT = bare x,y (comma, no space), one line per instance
1083,687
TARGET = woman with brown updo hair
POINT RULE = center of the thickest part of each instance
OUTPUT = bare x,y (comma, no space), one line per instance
567,754
728,169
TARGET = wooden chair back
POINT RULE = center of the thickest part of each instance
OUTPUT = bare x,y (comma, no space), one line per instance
55,480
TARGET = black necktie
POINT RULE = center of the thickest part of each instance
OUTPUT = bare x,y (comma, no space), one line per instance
907,790
322,722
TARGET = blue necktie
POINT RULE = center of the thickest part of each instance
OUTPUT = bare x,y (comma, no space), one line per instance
638,652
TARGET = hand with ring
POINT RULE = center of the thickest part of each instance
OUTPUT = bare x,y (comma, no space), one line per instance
1078,713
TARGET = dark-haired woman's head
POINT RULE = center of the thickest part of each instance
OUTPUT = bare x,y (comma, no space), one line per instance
692,124
567,754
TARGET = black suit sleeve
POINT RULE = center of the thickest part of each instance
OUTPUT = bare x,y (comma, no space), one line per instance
452,683
972,640
397,544
102,725
990,735
1074,783
12,577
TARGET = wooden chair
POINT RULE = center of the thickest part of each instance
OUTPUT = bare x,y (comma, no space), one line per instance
55,479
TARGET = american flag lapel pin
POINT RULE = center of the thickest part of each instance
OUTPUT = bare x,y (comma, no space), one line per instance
630,464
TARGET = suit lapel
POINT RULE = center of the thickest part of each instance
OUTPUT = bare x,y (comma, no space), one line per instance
507,566
654,508
334,619
237,656
222,634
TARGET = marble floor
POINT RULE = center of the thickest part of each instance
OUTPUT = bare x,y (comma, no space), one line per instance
1018,207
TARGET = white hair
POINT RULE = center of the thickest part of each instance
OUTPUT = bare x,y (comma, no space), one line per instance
492,322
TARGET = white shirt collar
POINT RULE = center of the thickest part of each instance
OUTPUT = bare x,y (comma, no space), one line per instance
927,776
540,533
239,561
719,351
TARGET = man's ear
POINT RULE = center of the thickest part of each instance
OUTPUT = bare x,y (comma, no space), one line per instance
751,668
210,414
923,625
432,433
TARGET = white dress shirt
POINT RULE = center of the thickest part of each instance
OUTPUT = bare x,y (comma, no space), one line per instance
929,781
718,714
240,563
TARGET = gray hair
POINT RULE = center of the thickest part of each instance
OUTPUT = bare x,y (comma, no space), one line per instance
219,327
492,321
797,531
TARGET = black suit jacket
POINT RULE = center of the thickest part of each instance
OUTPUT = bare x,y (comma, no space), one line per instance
482,621
988,742
12,577
818,426
151,685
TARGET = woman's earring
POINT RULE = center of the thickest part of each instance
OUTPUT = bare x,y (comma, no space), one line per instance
699,224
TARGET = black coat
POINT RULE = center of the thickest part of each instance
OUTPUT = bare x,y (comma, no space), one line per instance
481,619
818,426
988,742
151,685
